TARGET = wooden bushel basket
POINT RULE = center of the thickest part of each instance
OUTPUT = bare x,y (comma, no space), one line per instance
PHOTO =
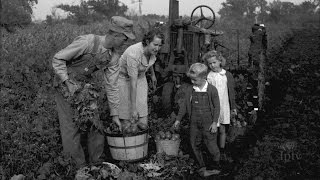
170,147
128,147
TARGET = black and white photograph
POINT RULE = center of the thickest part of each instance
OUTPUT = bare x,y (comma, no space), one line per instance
160,90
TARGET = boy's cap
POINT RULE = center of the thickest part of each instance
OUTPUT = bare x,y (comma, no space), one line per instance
122,25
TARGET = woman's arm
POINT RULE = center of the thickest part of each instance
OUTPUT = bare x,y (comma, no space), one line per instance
153,78
152,71
133,96
111,75
133,62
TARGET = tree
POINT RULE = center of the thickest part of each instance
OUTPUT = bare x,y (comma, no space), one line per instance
308,7
108,8
281,10
240,9
263,10
232,9
284,8
287,9
94,10
78,13
16,13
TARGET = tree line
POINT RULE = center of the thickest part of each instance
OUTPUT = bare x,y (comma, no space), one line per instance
262,11
19,12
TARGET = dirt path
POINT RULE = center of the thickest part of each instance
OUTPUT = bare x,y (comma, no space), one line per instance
288,145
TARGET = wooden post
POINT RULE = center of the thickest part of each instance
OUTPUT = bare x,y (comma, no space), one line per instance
257,58
238,47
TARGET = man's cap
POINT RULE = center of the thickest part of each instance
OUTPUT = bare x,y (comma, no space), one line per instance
122,25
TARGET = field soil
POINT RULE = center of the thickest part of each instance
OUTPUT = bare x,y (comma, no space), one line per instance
284,144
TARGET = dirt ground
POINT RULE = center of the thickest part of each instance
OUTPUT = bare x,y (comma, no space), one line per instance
284,144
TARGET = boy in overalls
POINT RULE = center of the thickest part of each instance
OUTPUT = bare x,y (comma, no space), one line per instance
203,107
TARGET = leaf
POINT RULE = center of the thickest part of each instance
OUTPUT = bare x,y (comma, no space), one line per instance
18,177
317,112
42,177
105,173
250,104
45,168
94,93
154,174
150,166
289,98
125,175
94,105
82,176
291,71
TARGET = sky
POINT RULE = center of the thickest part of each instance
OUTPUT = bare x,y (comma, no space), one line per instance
160,7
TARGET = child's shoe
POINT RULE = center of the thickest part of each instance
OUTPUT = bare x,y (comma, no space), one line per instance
207,173
201,171
218,170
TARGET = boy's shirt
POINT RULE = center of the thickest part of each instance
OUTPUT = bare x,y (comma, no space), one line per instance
214,102
204,89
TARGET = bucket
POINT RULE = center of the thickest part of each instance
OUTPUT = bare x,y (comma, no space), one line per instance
170,147
128,147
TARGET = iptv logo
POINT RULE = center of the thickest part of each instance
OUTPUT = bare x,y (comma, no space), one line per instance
289,151
289,156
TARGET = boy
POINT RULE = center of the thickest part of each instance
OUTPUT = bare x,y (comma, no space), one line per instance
203,107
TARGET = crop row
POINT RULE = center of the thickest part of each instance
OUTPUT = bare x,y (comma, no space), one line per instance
29,129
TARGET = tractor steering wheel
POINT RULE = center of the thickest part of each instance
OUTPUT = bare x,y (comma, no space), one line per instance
203,18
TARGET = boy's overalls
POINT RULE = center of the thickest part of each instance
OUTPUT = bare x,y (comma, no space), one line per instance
201,120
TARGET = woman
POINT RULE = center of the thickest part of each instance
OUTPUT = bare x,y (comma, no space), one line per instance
134,63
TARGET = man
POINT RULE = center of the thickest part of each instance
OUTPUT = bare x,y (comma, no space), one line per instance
76,63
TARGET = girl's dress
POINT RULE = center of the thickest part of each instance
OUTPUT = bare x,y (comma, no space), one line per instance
219,80
133,62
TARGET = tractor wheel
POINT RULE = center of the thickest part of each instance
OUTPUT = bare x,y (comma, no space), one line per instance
202,17
167,97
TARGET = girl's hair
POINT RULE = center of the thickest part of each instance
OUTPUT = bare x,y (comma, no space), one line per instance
148,37
197,70
214,53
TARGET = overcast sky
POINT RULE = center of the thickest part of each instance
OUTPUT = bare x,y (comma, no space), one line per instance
161,7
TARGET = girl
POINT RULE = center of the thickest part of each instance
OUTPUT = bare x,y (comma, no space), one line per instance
224,82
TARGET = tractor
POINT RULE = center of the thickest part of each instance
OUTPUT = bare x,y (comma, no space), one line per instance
187,40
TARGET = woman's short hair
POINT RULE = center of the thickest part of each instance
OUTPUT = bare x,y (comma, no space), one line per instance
148,37
197,70
214,53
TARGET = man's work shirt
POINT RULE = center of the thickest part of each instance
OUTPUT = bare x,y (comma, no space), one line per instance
83,55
